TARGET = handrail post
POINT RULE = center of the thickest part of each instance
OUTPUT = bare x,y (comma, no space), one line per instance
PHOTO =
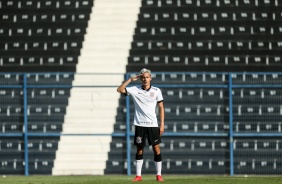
128,147
25,127
231,126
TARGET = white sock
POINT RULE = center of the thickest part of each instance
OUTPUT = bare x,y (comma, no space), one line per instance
139,164
158,166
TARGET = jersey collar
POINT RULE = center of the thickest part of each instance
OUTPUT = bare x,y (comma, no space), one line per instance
147,89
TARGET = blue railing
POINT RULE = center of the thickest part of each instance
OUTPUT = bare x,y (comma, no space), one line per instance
23,83
228,84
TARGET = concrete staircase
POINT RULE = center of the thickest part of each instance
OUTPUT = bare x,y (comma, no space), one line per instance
92,110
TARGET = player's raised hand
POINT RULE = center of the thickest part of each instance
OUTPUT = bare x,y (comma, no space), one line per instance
136,77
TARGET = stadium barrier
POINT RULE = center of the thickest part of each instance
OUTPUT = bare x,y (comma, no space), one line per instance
263,115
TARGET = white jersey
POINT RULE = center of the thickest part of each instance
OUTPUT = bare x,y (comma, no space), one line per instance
145,102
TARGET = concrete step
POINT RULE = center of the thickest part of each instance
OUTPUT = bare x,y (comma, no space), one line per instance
102,80
87,130
86,139
104,46
68,155
98,53
81,171
123,4
110,38
83,115
84,121
94,68
110,17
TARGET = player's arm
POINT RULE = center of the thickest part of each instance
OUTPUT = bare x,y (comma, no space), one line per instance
162,115
121,88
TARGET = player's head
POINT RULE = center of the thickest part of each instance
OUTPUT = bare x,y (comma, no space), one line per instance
145,70
145,76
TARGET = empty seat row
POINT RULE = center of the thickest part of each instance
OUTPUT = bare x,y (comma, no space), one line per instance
213,125
11,127
40,127
36,166
48,4
255,78
8,78
209,3
191,144
209,95
190,126
38,31
240,97
194,127
39,144
8,155
44,78
170,78
52,78
43,145
264,79
239,15
255,94
205,60
46,110
35,61
10,144
43,18
45,127
50,94
258,110
274,144
189,78
36,93
209,30
253,166
206,45
14,166
169,166
40,45
257,126
182,111
33,110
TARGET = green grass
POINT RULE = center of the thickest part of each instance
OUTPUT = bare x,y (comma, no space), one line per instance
123,179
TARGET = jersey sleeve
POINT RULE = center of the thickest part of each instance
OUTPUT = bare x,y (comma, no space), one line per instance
159,96
128,91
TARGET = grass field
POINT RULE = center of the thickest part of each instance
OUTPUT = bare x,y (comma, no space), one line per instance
115,179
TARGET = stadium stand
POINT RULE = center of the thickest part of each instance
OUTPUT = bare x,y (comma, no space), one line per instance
37,36
252,157
173,37
42,35
203,35
211,36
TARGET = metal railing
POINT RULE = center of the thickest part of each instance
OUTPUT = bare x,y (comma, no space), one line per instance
228,84
226,81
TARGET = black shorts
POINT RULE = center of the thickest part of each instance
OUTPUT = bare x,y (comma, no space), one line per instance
150,133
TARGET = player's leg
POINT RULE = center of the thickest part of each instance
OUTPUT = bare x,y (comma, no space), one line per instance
158,161
139,163
139,141
154,139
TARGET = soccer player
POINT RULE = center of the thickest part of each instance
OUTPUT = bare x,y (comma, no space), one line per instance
146,98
